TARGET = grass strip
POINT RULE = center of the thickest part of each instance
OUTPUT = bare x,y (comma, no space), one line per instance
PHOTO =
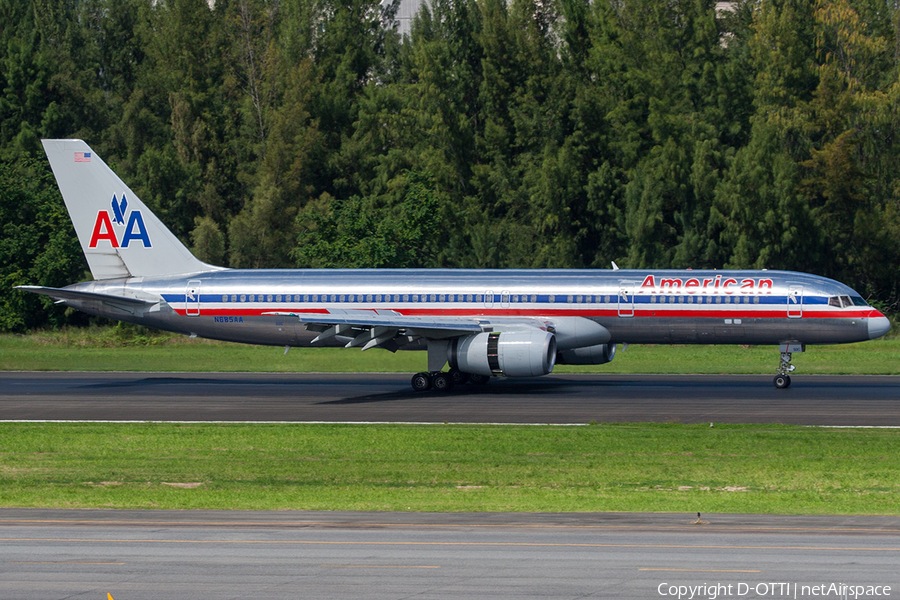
103,350
448,468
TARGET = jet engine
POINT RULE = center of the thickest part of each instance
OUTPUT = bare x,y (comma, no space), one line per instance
513,353
589,355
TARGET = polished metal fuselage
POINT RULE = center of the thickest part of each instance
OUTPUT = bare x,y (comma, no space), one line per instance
636,306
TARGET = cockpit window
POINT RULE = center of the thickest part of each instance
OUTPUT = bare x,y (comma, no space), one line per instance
858,301
846,301
834,301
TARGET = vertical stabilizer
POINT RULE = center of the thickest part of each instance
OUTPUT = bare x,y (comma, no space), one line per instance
119,235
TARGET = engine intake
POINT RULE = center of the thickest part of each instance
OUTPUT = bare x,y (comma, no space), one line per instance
513,354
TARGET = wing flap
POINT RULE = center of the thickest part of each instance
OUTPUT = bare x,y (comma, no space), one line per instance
366,319
381,328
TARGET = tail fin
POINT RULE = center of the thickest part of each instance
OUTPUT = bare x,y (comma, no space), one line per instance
119,235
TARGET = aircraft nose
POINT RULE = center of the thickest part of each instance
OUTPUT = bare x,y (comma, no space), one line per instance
878,326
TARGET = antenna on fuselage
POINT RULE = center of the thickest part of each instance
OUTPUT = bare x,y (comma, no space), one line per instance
614,265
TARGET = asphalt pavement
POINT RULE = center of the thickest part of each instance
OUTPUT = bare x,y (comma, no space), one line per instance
811,400
137,555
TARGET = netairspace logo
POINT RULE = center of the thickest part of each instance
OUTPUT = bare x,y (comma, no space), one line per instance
772,590
135,230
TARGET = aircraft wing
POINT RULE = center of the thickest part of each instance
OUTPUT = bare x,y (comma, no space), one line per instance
133,306
384,328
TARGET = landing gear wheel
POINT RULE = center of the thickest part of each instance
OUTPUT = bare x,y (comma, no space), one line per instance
421,382
442,382
479,379
782,381
458,376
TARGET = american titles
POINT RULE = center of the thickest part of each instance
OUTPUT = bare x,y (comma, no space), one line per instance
719,283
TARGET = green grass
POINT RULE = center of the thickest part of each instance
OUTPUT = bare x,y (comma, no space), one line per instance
642,467
129,349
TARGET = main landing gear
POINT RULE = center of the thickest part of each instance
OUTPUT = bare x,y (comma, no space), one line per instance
444,382
783,380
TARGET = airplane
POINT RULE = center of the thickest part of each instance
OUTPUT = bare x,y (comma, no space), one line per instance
483,323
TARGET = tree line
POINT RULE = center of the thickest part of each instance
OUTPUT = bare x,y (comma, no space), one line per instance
498,133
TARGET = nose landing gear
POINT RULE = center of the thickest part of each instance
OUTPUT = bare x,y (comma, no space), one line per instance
783,380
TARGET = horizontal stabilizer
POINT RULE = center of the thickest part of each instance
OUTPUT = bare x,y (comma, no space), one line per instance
128,305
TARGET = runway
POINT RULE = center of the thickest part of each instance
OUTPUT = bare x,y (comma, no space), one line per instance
811,400
137,555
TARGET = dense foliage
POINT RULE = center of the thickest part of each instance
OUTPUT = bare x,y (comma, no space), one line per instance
519,133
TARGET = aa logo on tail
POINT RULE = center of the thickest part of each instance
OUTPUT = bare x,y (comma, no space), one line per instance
134,230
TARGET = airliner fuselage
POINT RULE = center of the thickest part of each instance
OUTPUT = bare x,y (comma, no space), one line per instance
635,306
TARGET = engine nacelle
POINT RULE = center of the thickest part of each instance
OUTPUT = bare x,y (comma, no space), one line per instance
577,332
513,354
589,355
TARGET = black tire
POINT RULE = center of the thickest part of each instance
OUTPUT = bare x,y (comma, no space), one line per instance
782,381
479,379
458,377
441,382
421,382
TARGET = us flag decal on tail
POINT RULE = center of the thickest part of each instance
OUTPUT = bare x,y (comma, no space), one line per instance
82,157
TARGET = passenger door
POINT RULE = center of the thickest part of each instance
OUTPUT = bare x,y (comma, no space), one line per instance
192,298
795,302
626,299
